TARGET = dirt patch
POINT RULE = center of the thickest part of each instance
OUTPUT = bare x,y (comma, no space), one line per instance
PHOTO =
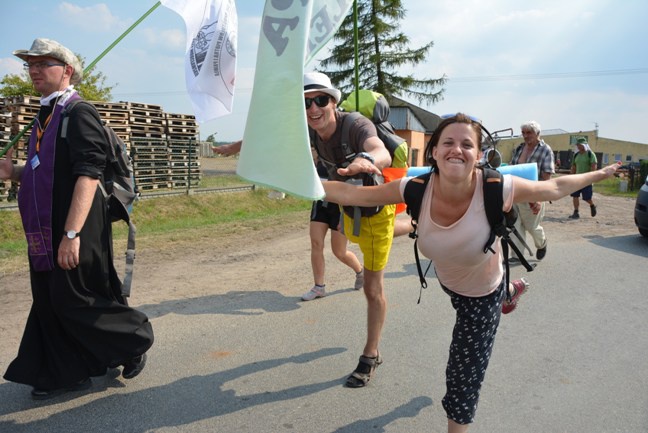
615,216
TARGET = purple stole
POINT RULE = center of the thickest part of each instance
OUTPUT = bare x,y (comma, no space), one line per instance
35,195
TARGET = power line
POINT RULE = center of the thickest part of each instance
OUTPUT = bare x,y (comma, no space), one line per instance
167,93
474,79
546,76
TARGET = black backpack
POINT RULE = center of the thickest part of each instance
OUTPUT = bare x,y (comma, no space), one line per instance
373,106
117,185
502,223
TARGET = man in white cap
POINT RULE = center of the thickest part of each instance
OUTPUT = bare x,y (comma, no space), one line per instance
364,154
584,161
369,156
79,324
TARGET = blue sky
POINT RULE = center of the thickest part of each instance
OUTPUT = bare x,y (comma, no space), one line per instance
569,65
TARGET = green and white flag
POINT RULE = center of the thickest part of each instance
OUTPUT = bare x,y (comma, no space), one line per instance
276,151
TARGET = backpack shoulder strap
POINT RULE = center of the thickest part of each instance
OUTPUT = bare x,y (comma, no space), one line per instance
343,149
65,115
413,196
345,138
67,109
502,223
493,203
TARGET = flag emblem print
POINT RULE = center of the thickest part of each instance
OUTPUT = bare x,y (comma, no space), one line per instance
210,66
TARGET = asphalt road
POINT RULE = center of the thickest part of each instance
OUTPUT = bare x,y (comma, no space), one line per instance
571,358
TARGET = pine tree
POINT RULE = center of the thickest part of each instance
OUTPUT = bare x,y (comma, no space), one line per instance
382,50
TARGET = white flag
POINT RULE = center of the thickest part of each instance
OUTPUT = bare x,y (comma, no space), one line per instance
210,66
275,148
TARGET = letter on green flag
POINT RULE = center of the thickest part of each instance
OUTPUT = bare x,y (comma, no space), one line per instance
276,150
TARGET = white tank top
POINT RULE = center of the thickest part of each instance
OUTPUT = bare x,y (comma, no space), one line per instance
457,250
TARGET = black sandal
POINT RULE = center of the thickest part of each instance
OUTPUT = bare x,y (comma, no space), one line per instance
363,372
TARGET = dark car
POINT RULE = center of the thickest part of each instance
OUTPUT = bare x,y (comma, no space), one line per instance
641,209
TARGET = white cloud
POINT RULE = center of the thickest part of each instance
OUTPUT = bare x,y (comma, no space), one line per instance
96,18
172,38
473,38
11,65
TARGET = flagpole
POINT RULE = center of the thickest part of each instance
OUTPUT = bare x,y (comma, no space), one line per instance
355,48
87,68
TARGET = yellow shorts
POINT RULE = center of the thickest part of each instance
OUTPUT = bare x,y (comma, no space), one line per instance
376,235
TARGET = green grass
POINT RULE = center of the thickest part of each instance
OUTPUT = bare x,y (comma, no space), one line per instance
611,187
173,217
170,214
222,181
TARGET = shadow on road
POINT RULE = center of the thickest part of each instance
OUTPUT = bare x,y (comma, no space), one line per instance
378,424
632,244
239,303
178,403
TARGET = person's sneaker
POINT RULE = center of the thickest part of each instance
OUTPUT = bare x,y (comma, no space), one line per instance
519,286
593,210
575,215
314,293
359,281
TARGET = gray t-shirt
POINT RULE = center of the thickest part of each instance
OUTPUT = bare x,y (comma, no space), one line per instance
331,153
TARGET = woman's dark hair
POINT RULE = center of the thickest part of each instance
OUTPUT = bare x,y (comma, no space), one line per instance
436,135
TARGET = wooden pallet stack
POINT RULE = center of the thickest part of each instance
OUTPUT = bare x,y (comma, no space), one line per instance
20,111
5,185
149,147
163,145
5,134
17,112
116,115
151,163
182,130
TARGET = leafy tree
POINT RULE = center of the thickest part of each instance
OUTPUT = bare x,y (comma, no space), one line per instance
92,87
211,138
382,49
16,85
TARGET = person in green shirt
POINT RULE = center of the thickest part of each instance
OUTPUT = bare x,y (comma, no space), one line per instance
584,161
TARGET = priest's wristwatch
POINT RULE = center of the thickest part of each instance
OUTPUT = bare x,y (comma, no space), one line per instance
71,234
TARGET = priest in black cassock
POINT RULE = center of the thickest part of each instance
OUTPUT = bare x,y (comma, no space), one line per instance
79,324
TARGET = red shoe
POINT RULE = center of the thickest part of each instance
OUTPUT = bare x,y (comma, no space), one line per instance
519,286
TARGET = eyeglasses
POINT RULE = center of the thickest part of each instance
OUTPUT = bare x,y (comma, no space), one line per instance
40,65
321,101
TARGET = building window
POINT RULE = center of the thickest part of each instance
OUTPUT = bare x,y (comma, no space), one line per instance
574,138
414,157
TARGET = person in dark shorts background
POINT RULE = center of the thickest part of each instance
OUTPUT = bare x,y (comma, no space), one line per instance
584,161
325,216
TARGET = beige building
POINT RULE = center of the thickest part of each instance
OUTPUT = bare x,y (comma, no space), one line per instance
607,150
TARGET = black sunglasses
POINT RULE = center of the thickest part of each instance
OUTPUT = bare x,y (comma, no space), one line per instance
321,101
